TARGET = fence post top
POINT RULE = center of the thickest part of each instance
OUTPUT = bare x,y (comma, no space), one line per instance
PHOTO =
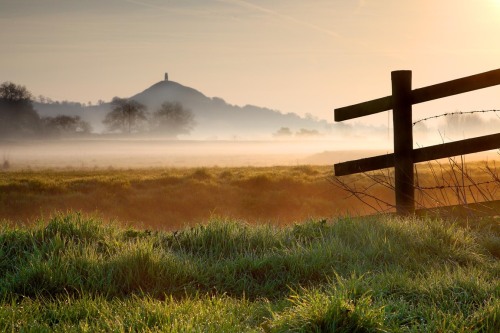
401,71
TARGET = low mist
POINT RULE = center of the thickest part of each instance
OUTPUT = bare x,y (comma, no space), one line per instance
171,125
151,153
145,153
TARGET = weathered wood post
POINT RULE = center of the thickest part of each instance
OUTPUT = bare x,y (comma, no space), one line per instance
403,141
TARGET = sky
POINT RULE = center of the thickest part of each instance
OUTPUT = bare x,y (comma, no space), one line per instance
289,55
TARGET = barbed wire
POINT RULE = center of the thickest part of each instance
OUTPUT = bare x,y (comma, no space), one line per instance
456,113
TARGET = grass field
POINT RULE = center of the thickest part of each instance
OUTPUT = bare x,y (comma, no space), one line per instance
171,198
76,273
241,249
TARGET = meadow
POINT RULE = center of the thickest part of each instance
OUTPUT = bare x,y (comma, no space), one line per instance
74,273
170,198
241,249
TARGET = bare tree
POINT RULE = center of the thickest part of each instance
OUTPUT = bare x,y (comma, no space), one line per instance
172,119
283,132
126,116
65,125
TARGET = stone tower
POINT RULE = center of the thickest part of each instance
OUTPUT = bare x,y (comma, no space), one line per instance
166,76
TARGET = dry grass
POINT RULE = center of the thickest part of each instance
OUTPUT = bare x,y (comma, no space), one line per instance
440,183
169,198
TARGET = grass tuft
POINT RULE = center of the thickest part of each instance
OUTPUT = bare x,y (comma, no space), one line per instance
76,273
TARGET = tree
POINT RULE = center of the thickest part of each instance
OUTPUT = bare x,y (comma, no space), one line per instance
283,132
172,119
17,115
65,125
307,133
126,116
14,93
465,123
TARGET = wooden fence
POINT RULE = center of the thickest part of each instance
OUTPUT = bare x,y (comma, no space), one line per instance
404,156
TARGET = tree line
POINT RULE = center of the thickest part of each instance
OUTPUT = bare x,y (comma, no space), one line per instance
129,116
18,118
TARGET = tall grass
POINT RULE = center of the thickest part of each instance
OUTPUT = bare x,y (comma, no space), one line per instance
172,198
76,273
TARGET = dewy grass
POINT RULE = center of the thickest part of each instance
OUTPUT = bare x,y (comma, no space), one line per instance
76,273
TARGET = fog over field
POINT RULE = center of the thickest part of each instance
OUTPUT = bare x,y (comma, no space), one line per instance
212,133
177,126
164,153
128,153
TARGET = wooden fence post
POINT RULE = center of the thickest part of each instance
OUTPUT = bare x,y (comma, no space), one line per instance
403,141
401,101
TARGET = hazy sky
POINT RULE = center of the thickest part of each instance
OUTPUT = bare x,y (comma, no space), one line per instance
290,55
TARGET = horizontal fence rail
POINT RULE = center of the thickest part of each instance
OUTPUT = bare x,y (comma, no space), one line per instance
404,156
420,95
462,147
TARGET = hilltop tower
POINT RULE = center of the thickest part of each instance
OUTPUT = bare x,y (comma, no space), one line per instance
166,76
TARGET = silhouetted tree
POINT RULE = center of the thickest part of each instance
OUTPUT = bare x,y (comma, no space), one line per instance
65,125
17,115
172,119
306,132
14,93
283,132
465,123
126,116
310,116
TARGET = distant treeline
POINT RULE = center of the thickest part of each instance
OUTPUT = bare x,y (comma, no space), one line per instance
19,119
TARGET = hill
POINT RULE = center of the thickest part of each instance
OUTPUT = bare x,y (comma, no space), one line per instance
214,118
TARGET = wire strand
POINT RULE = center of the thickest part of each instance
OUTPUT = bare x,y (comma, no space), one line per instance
456,113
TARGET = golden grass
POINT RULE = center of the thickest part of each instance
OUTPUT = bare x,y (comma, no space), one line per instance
169,198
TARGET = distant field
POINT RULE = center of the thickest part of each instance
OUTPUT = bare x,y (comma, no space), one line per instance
173,197
169,198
